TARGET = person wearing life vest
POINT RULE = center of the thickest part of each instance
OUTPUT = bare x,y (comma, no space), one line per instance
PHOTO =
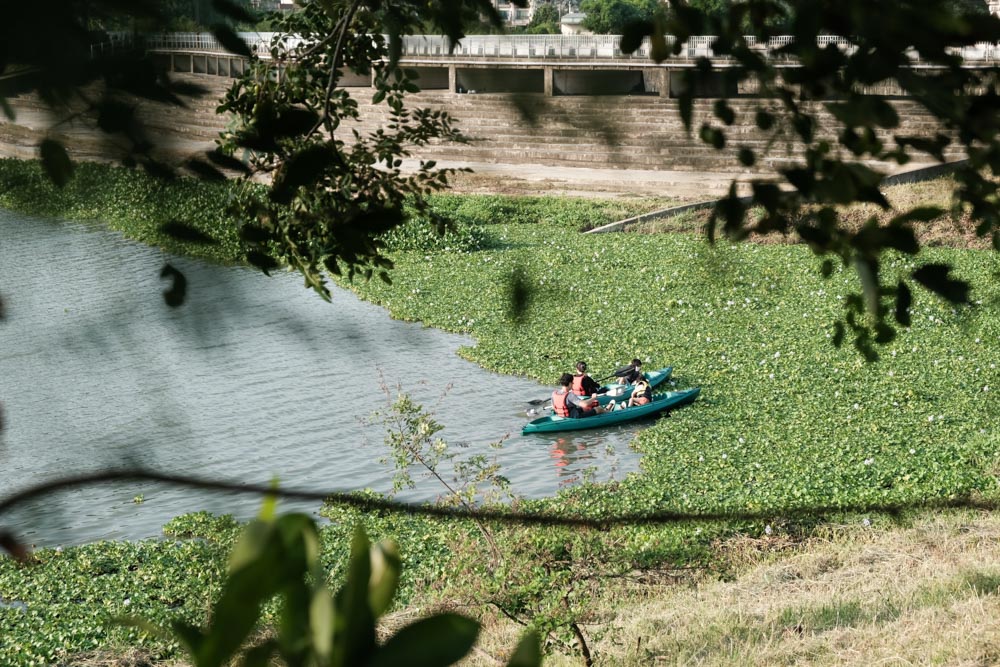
567,403
642,394
583,384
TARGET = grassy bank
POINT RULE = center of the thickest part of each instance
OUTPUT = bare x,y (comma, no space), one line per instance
786,420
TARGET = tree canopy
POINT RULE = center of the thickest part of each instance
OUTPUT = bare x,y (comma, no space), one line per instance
611,17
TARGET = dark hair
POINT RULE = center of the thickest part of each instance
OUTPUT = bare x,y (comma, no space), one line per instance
581,366
565,379
637,362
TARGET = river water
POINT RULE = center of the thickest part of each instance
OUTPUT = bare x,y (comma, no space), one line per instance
253,378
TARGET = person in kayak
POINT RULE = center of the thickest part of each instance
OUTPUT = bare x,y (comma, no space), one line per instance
567,403
633,375
583,384
642,394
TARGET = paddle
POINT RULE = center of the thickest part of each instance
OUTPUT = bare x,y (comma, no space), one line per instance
619,373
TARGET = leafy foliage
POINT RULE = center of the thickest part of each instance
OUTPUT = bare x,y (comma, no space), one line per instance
544,20
333,197
280,556
611,17
882,43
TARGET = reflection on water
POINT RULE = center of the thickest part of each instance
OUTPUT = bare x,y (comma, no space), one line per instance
253,378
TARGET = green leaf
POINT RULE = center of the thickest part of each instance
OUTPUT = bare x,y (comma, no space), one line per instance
177,292
190,636
230,40
55,161
260,655
633,34
252,543
321,613
302,169
868,275
385,569
354,641
437,641
528,652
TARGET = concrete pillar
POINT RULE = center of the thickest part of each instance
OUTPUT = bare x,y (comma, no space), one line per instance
452,78
665,82
547,81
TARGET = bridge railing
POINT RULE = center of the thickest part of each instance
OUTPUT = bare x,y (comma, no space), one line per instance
531,47
116,43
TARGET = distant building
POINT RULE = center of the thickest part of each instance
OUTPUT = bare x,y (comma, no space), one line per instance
572,24
512,14
272,5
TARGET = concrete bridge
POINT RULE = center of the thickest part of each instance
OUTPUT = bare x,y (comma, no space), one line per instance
547,64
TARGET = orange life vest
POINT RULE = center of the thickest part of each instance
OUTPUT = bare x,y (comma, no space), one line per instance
559,405
578,384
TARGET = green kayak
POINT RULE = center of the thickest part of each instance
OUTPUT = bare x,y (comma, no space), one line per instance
660,403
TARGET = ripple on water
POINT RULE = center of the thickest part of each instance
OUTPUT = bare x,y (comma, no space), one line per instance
254,378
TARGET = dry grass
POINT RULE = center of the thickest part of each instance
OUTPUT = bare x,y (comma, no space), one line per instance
130,658
926,594
946,230
923,594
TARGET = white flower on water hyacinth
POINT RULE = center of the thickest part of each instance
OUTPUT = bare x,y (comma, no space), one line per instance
742,440
725,456
930,418
777,354
767,529
771,376
868,462
857,406
913,451
701,458
866,523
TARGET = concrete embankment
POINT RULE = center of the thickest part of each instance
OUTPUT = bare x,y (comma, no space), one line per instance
530,144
